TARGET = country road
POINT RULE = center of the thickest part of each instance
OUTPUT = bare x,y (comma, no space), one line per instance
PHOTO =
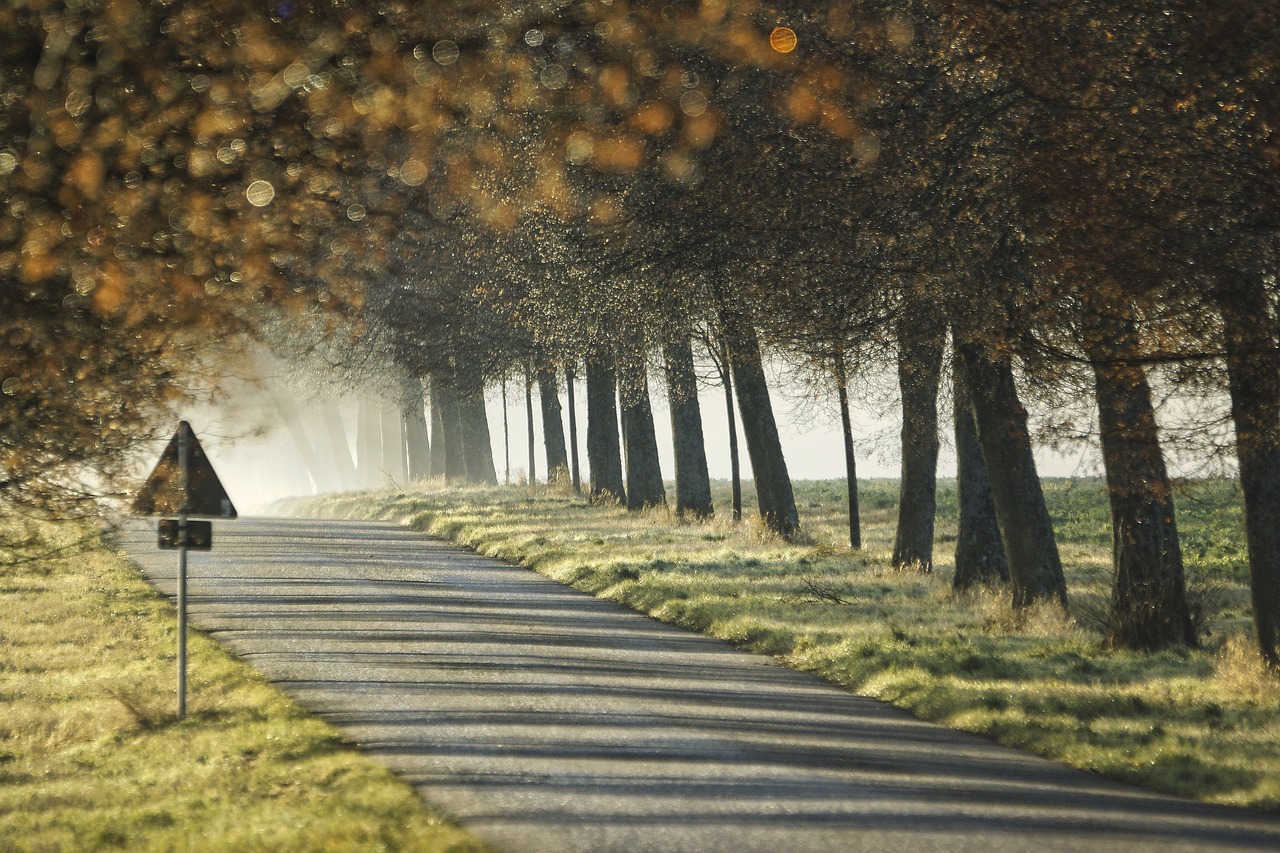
543,719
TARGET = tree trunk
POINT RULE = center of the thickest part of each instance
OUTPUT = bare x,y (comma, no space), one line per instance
919,372
339,449
477,445
693,483
850,461
438,457
417,439
735,463
574,471
980,557
528,409
506,436
322,476
773,485
1253,374
1149,598
1035,569
393,456
604,450
369,443
444,402
552,426
644,474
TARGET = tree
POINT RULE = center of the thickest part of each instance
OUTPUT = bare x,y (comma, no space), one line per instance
604,448
1253,365
719,356
644,476
570,379
921,340
693,484
1035,568
979,556
552,425
477,445
850,461
774,496
417,436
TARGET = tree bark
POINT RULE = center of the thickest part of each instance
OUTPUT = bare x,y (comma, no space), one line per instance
552,426
574,471
417,439
604,449
1035,568
850,460
528,409
919,372
1253,377
438,457
1149,598
644,474
980,558
773,485
506,436
477,444
735,462
444,401
693,483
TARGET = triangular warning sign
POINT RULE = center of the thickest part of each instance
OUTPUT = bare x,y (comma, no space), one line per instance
165,493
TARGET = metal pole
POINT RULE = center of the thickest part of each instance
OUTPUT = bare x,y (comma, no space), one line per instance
184,472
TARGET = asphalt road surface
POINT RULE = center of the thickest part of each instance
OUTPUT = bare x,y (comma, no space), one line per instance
545,720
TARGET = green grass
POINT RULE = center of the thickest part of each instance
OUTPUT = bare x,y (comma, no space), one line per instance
1202,723
92,756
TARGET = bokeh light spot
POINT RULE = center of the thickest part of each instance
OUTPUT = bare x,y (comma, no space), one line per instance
260,193
413,172
554,77
693,103
578,148
296,74
783,39
445,52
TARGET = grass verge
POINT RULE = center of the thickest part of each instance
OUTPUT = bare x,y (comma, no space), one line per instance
1200,723
92,756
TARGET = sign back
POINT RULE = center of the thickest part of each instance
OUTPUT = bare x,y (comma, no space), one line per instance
199,493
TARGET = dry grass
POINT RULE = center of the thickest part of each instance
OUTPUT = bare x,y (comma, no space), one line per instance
92,756
1202,723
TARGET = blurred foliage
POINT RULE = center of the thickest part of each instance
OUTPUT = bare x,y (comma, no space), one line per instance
463,188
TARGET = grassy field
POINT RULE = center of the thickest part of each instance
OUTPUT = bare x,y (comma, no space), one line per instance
92,756
1203,723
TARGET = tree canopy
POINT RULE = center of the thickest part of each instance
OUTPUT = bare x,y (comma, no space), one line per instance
1077,192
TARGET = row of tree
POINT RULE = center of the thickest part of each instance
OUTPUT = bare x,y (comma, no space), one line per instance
1071,194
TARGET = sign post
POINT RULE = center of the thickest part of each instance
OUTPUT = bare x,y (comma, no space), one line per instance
184,483
184,469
